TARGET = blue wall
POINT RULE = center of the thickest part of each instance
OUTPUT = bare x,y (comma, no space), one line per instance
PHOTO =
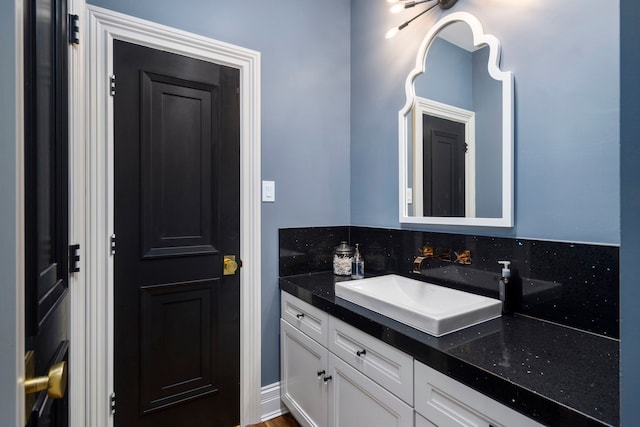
565,59
448,77
305,114
8,232
630,206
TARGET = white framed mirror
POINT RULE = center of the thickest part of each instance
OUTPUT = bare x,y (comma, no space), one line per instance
456,130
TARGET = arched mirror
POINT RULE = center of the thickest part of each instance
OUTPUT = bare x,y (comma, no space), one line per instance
456,130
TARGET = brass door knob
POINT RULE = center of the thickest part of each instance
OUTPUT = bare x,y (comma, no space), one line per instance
55,383
230,265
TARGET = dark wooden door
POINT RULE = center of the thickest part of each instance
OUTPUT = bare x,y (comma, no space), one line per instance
46,211
177,209
444,151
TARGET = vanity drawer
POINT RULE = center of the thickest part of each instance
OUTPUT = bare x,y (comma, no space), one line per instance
309,319
384,364
446,402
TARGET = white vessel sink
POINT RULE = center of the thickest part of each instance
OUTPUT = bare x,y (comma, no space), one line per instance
433,309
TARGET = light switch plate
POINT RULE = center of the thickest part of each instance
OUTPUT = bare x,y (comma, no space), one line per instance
409,195
268,191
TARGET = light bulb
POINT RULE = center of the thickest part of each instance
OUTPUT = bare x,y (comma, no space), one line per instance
392,1
392,32
397,8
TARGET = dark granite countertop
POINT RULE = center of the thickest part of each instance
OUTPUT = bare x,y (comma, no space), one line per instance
556,375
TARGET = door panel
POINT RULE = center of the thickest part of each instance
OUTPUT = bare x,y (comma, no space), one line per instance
177,202
46,211
178,330
177,214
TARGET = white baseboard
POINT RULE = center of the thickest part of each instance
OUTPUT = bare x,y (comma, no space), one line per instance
270,404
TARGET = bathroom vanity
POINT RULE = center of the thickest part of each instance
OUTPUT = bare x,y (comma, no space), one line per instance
344,365
554,362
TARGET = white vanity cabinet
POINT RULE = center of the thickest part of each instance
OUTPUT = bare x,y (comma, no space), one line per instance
335,375
443,401
323,390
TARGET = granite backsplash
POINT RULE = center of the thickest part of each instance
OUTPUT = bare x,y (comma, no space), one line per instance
573,284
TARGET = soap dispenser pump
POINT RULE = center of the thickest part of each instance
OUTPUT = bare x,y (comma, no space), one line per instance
504,288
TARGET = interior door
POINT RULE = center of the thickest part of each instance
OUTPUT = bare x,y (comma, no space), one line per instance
177,228
46,212
444,167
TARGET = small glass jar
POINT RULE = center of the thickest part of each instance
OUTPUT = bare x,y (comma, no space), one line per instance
342,258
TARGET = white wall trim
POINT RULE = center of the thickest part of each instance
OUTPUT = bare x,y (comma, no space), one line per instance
270,404
78,331
103,26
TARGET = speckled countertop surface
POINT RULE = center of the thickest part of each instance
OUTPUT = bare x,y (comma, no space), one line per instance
556,375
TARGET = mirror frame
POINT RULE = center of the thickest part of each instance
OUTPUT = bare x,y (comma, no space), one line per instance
506,77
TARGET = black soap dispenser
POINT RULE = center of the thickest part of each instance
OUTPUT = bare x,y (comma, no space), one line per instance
504,288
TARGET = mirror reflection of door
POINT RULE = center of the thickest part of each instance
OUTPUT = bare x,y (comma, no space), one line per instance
444,151
433,174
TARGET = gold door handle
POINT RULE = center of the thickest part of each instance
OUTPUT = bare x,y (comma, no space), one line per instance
55,383
230,265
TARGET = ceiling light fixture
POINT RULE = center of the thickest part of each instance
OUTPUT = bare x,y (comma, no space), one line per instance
400,5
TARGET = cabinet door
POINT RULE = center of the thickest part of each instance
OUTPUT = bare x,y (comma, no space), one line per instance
446,402
355,400
303,369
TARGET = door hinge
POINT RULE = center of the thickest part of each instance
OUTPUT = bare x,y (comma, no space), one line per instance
74,258
112,244
112,85
112,403
74,29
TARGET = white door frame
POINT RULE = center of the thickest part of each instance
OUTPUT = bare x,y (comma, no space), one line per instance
92,307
